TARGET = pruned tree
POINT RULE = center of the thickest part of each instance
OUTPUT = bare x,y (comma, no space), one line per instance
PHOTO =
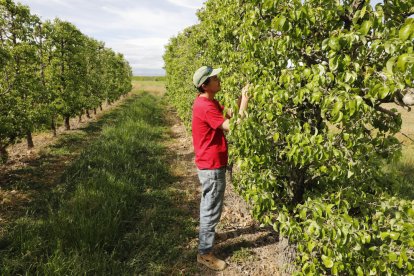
22,94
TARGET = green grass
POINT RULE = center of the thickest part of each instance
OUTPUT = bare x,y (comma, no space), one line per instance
115,211
400,173
242,255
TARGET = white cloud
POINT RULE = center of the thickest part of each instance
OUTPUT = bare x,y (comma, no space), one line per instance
138,29
187,4
141,52
150,21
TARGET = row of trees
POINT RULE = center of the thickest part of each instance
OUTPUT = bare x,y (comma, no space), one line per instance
309,153
50,70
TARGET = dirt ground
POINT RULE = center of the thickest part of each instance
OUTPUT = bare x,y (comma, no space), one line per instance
248,248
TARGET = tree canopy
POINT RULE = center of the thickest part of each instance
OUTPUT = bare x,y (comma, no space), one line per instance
316,128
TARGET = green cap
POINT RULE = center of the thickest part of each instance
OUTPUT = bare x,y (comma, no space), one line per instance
204,73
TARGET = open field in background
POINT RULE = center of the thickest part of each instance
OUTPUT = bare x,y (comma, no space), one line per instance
148,78
154,84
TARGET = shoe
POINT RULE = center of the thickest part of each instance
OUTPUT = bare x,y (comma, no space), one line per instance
211,261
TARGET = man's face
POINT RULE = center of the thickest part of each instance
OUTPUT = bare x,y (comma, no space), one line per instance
214,84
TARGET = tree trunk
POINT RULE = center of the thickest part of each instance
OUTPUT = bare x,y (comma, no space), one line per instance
80,118
53,126
67,124
297,184
94,111
29,138
100,106
87,114
3,154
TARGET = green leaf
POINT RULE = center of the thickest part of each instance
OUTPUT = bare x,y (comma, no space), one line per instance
352,107
333,63
384,235
406,31
325,44
390,64
383,92
365,27
334,43
311,245
363,11
392,256
316,97
279,22
403,60
336,108
410,212
339,118
348,76
327,261
394,235
359,271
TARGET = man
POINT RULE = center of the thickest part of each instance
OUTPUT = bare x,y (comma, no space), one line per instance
210,147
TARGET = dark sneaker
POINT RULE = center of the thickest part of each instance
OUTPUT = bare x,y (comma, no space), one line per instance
211,261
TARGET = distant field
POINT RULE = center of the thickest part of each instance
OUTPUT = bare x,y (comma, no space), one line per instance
148,78
154,84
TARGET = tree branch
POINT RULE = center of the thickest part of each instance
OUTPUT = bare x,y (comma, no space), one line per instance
386,111
347,18
407,14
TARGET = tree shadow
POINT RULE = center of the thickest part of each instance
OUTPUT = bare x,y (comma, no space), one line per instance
266,236
400,178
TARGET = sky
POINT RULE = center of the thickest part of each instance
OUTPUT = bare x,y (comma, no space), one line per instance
139,29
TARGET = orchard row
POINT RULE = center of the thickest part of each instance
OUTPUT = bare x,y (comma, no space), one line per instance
309,155
50,71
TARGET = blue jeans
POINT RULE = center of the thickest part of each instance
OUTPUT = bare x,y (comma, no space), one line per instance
213,184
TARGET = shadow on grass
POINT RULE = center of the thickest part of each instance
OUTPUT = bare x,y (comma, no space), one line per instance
399,175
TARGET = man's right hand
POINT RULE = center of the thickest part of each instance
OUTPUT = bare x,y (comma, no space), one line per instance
244,101
245,90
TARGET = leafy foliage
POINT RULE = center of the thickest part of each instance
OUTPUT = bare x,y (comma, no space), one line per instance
51,69
320,71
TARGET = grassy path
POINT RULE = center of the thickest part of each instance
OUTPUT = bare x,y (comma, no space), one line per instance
116,210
